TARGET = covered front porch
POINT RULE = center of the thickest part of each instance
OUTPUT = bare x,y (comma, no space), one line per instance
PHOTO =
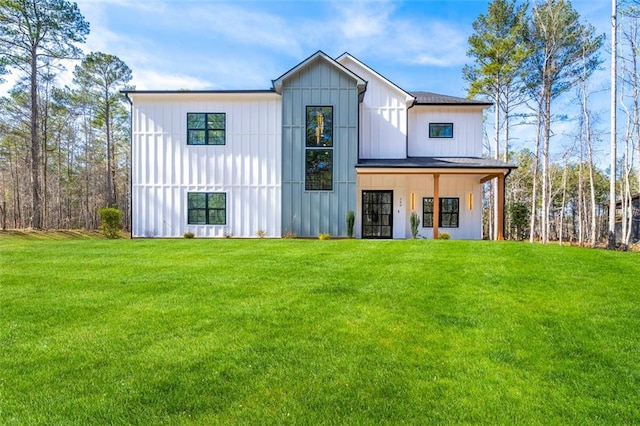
445,193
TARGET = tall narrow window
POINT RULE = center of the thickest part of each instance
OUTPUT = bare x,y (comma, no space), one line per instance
319,148
427,212
449,215
440,130
206,208
206,128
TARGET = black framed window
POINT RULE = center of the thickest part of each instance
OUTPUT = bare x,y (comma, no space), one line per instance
205,128
206,208
427,212
448,216
319,148
319,168
440,130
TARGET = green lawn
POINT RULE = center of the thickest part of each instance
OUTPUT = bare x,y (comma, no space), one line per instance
316,332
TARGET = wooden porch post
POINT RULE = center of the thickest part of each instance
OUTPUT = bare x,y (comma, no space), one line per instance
436,204
500,216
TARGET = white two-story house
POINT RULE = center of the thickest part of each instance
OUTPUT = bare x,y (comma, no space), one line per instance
330,136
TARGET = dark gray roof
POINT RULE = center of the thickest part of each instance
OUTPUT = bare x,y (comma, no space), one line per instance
438,163
429,98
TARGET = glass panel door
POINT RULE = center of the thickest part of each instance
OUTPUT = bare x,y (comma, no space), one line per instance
377,214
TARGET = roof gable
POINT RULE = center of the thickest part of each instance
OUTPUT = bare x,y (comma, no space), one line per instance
277,83
409,98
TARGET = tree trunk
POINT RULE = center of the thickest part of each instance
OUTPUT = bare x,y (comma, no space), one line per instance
534,188
36,213
564,200
17,212
611,237
546,115
4,214
580,212
592,188
505,146
109,197
592,192
45,159
494,183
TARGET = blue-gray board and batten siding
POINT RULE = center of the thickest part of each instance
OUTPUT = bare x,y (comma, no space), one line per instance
308,213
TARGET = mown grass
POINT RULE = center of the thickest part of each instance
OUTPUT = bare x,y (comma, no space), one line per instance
316,332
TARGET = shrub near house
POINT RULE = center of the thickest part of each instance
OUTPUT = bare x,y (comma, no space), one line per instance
110,219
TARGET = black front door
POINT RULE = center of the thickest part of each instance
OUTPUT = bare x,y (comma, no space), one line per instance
377,214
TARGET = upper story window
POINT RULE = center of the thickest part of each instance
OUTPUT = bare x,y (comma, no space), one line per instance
440,130
206,208
319,149
449,212
206,128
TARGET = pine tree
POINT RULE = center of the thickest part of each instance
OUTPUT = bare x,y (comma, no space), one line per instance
32,31
103,75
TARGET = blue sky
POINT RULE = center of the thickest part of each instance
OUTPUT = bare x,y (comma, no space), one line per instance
241,44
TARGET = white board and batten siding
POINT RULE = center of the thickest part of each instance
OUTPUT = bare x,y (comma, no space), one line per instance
165,169
467,131
383,114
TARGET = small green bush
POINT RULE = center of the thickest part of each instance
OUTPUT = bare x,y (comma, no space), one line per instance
351,220
519,215
261,233
110,219
444,236
324,236
415,223
188,234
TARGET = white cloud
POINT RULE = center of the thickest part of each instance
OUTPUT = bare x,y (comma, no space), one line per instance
188,44
100,37
377,28
148,79
226,23
360,19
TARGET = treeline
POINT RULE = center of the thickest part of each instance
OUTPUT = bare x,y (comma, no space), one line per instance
64,151
532,61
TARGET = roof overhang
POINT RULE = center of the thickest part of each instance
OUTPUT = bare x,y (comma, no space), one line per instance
181,95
